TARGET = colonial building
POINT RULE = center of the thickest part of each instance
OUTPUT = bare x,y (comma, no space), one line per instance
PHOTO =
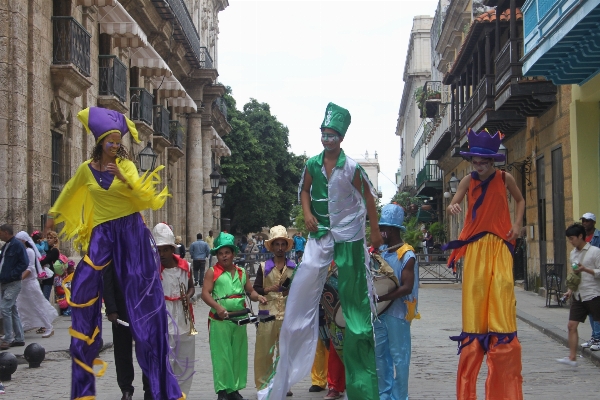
417,70
478,82
154,60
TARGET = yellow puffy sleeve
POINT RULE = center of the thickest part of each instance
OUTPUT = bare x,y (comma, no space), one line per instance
74,207
142,189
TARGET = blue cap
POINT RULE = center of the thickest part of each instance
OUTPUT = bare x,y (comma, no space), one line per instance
392,215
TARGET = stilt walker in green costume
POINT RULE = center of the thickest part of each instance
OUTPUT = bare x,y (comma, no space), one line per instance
224,290
336,196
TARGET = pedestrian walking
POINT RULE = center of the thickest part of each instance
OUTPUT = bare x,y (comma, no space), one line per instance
13,262
585,261
489,312
180,247
592,236
100,207
200,252
299,244
34,310
52,256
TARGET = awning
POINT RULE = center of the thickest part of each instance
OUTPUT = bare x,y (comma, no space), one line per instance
218,146
182,105
149,62
116,21
169,87
99,3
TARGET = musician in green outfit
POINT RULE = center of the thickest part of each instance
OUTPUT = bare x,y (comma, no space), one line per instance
336,197
224,291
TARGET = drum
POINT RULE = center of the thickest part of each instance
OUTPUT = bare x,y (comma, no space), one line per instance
331,301
384,280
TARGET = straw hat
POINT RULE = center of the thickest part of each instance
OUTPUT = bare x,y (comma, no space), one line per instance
163,235
278,232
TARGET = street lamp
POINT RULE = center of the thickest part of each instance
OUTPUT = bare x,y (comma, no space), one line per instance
502,150
218,199
147,158
222,185
453,183
215,177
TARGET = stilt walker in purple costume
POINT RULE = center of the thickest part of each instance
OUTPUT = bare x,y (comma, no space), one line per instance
100,208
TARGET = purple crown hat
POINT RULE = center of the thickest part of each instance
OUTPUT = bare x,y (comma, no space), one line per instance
101,121
484,145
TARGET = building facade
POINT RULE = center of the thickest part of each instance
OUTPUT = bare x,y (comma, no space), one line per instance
417,70
154,61
477,68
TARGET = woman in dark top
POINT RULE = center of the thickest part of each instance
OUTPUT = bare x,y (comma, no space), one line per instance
51,257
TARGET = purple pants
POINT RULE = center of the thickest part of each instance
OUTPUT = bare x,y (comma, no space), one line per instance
129,245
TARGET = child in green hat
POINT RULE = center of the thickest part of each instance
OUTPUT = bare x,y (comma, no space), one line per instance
336,198
224,290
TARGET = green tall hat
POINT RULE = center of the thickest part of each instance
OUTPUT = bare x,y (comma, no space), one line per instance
336,118
224,240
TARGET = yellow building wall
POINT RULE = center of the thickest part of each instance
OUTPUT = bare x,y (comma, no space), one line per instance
585,142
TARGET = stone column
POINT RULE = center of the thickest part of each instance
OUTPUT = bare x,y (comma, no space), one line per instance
194,178
207,166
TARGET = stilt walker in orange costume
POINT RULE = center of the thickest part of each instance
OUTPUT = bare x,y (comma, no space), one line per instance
489,314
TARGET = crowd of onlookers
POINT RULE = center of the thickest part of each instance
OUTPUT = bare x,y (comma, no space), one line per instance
30,267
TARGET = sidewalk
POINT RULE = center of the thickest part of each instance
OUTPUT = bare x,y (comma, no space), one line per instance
532,309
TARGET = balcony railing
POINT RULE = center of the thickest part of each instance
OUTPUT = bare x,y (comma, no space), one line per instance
483,95
408,184
71,44
185,31
176,133
140,105
508,57
220,104
113,77
429,172
161,122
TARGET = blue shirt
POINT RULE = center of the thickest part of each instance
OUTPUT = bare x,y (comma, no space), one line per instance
398,309
596,238
199,250
299,243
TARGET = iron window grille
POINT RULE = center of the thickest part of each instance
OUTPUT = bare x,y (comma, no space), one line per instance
113,77
56,178
71,44
161,122
140,106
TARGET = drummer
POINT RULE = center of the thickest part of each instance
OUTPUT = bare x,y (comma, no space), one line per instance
393,350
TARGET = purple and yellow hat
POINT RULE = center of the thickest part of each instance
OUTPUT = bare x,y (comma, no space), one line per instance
484,144
102,122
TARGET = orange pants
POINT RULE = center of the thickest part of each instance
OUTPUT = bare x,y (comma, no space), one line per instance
489,323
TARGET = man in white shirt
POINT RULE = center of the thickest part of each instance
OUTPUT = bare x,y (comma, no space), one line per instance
586,299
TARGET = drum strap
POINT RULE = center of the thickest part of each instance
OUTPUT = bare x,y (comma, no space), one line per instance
403,249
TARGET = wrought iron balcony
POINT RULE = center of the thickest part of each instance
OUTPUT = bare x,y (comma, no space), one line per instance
113,77
140,105
220,104
408,184
161,122
508,64
71,44
176,133
430,172
185,31
482,99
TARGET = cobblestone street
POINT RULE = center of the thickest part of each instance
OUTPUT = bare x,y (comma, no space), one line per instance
432,372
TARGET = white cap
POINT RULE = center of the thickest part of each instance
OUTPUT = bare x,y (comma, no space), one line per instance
588,216
163,235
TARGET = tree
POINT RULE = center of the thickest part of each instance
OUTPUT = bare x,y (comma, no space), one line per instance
262,173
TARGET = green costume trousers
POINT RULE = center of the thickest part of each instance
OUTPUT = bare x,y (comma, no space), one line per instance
229,355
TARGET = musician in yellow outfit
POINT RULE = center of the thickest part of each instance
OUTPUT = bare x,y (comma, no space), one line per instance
272,281
100,208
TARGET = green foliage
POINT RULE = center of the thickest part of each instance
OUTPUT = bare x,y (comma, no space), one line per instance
413,234
263,174
298,217
409,202
438,231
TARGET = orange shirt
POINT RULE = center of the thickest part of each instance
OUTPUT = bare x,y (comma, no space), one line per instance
487,212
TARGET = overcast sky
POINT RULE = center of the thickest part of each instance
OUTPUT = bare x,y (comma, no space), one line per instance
299,55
